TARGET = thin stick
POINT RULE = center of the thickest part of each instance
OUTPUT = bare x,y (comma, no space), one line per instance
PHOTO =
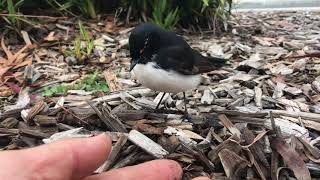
32,16
69,111
160,100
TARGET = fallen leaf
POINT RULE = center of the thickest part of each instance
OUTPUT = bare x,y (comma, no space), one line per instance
291,158
51,37
148,129
5,91
13,61
191,135
5,49
232,162
264,41
3,70
257,138
22,102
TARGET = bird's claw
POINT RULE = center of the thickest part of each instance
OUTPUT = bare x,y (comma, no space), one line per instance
187,116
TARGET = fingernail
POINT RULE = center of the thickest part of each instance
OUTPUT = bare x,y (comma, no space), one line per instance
201,178
103,135
176,169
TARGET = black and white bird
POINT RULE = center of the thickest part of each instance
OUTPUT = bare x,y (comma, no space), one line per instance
164,61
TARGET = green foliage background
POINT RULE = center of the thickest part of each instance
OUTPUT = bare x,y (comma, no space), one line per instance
167,13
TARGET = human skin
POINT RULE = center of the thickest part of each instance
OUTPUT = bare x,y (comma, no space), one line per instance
76,159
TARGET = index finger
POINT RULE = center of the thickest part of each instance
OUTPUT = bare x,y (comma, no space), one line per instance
70,159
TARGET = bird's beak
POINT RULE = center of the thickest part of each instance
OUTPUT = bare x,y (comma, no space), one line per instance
133,64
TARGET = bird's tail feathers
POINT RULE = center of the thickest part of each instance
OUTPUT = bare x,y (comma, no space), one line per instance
216,61
206,64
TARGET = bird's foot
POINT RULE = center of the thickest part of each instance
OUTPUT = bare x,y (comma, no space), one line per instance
187,116
157,110
151,110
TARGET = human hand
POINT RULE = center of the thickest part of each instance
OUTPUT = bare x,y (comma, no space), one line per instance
76,159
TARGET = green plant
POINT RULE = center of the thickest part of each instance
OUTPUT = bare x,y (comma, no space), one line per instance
135,8
11,7
221,12
78,51
194,14
85,36
164,15
205,13
50,91
86,7
187,13
90,83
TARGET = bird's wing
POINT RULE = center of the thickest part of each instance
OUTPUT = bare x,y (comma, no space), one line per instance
186,61
177,58
204,64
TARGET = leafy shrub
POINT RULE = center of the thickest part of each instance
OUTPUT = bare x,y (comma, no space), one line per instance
11,7
163,14
166,13
195,13
84,7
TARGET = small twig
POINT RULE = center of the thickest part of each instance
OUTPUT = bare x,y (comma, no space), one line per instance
109,119
311,55
273,124
276,129
68,111
32,16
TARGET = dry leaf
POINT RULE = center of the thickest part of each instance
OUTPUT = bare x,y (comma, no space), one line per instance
232,162
51,37
148,129
257,138
5,91
23,100
13,61
291,158
8,53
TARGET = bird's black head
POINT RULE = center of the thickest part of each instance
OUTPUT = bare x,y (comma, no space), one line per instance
144,41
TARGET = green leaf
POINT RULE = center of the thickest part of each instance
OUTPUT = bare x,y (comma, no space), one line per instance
164,15
91,9
205,2
11,10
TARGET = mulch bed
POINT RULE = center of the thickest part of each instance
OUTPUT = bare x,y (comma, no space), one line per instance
257,118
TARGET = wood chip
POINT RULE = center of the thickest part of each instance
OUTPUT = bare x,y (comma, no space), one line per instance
147,144
113,155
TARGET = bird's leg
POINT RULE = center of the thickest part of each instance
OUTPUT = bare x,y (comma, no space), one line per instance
185,104
186,115
160,100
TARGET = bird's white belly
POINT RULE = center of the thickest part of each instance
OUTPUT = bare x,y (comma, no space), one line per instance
164,81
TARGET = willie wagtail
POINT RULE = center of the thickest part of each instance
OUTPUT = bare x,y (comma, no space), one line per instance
164,61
